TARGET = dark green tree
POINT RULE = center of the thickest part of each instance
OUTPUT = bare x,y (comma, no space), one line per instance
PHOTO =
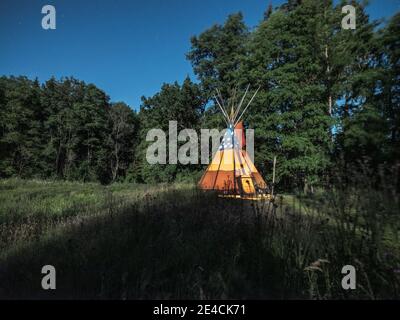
21,130
358,74
122,139
217,53
291,115
183,104
389,90
77,126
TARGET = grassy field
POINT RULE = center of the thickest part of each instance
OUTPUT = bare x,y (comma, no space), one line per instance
127,241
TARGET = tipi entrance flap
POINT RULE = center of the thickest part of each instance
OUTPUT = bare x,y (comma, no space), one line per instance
246,183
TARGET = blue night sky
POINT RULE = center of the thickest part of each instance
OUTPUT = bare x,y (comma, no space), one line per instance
127,48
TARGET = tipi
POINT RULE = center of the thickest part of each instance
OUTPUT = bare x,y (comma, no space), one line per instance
231,171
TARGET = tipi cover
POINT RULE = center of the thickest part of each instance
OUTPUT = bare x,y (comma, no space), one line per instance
231,170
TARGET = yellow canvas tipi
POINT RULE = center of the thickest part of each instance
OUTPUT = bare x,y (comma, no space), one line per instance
231,171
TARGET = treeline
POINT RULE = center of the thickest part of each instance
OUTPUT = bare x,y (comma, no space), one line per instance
63,129
329,98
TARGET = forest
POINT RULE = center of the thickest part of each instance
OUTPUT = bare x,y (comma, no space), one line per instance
328,109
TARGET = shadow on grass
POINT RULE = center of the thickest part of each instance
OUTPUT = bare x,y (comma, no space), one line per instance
180,243
176,245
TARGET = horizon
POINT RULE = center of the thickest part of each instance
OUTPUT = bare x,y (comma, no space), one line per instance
127,49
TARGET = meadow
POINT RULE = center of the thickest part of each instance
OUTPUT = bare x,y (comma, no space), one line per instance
172,241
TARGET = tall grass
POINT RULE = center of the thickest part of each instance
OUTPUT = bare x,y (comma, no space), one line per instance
173,241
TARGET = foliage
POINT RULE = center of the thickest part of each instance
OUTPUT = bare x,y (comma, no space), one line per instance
183,104
64,129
